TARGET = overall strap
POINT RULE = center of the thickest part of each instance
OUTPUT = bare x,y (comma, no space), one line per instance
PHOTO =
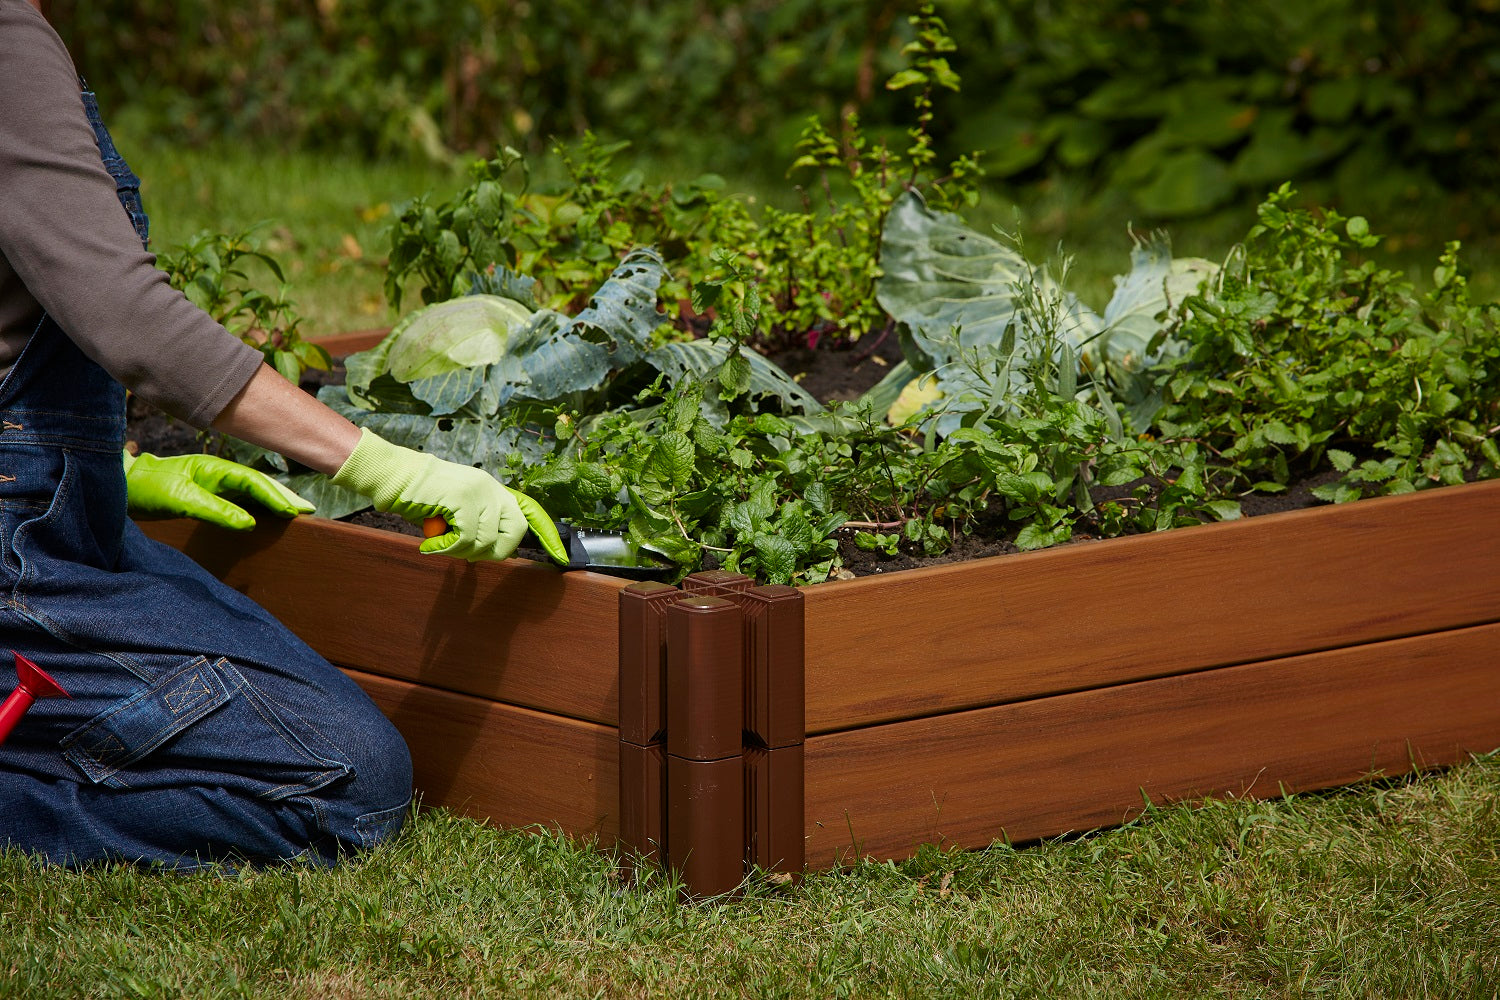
127,184
53,391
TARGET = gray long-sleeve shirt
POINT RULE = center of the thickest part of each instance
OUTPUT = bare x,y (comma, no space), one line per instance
67,246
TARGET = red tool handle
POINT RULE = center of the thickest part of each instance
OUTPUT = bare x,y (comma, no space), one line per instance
434,526
32,683
15,706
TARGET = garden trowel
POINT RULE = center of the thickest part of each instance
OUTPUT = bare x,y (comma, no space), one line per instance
591,548
607,552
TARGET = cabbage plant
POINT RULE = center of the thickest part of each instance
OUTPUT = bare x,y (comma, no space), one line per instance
482,379
965,299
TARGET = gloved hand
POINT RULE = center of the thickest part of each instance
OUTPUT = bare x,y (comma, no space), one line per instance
485,520
193,486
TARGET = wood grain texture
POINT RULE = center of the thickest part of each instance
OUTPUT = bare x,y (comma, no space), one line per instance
511,766
517,631
342,344
1079,761
922,642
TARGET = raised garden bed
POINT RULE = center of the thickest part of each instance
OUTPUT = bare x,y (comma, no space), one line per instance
1019,696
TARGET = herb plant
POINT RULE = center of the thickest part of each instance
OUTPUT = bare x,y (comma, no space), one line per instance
210,269
1303,353
570,241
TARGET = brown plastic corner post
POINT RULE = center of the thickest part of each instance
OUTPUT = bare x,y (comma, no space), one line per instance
705,759
775,727
775,715
643,761
717,583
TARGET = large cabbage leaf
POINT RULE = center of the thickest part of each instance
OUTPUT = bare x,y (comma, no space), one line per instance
472,355
556,357
703,358
976,311
438,353
1155,285
1132,339
449,336
939,276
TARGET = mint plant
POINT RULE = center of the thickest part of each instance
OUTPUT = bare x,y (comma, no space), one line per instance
1305,353
746,494
441,244
736,297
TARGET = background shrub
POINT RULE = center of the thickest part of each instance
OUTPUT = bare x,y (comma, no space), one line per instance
1174,108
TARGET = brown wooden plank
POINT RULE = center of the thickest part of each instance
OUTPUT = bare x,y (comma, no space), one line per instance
509,765
518,631
342,344
1091,614
1079,761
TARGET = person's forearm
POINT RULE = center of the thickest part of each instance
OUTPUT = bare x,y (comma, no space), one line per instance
273,413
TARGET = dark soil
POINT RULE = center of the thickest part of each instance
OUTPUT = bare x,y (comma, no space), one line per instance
842,374
839,374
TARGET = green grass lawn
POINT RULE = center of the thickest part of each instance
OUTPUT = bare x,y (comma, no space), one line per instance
322,217
1386,890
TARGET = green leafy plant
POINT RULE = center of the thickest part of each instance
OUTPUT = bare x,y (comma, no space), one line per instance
764,494
1302,353
210,269
1026,443
441,245
490,380
955,290
743,493
734,294
569,241
704,451
821,264
816,267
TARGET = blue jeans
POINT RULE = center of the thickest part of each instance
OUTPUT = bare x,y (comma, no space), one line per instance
199,728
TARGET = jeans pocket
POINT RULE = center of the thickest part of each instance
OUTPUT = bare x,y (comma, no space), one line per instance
66,516
203,723
127,732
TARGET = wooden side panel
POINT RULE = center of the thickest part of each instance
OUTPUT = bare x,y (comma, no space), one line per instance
1088,615
518,631
1079,761
509,765
341,344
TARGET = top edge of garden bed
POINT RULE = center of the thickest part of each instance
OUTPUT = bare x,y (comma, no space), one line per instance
516,631
1121,545
1005,628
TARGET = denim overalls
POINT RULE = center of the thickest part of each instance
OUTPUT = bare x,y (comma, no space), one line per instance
199,728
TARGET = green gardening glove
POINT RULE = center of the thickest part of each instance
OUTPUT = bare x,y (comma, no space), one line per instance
194,486
485,520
